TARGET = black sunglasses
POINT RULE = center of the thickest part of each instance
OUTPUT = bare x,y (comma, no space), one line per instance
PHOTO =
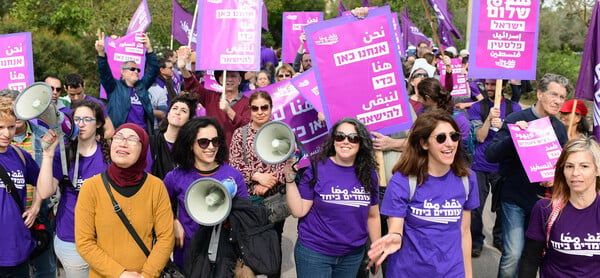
419,75
441,138
255,108
203,142
57,89
133,69
282,75
352,137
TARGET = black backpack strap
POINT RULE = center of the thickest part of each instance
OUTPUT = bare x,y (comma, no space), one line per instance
485,109
10,187
121,215
509,107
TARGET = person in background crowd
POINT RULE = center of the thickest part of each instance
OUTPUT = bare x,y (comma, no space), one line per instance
302,62
56,85
75,87
267,55
518,195
562,237
101,237
332,234
162,92
285,71
430,219
171,56
199,151
263,79
87,156
580,125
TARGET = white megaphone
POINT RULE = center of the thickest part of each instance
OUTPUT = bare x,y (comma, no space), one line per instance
208,201
36,102
275,142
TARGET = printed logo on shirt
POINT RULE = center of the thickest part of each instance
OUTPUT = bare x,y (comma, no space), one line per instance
356,198
135,100
574,245
450,211
17,177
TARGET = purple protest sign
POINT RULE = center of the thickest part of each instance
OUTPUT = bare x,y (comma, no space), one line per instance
504,39
459,80
141,19
293,26
16,61
124,49
306,84
397,34
358,69
229,35
181,25
290,107
538,148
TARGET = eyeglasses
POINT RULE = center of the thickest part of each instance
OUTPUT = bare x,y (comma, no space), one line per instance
131,141
133,69
441,138
282,75
84,120
57,89
352,137
203,142
171,67
255,108
418,75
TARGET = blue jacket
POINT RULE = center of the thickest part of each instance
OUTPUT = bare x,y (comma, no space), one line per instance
118,93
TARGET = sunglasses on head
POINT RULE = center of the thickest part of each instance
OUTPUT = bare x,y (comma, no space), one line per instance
255,108
133,69
203,142
420,75
441,138
57,89
352,137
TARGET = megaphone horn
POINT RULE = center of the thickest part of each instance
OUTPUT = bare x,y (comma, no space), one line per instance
208,201
275,143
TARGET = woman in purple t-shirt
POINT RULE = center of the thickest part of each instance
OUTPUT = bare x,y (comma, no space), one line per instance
87,156
563,236
337,203
431,219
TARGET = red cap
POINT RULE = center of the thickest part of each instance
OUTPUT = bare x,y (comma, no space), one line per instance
580,109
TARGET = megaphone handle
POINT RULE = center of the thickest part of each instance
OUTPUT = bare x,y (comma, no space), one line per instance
63,154
213,245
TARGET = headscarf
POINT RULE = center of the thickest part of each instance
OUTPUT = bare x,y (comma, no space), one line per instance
133,175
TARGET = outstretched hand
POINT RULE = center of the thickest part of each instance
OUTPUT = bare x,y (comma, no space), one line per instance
100,44
383,247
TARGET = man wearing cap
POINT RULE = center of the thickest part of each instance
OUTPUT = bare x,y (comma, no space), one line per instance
518,195
580,125
487,119
231,110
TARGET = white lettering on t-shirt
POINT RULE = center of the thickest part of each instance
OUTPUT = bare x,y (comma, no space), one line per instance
446,212
574,245
135,100
355,198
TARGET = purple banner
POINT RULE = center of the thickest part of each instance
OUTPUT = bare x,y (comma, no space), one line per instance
397,34
504,37
265,16
229,35
358,69
124,49
445,36
538,148
181,26
306,84
459,87
410,32
293,26
445,16
290,107
141,19
16,61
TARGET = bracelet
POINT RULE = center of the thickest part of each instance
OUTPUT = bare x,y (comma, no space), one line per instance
397,234
289,182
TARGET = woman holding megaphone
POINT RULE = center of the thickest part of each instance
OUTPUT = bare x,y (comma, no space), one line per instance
200,152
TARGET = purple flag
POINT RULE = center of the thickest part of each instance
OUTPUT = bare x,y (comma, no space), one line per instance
410,32
341,8
181,25
445,36
359,57
141,19
293,25
444,16
265,19
504,43
124,49
16,61
228,35
588,84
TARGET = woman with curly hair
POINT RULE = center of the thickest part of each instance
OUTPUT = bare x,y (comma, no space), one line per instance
337,204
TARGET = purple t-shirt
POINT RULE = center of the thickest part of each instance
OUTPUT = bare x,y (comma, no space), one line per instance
15,239
177,182
88,97
88,167
574,246
136,111
463,125
337,222
432,224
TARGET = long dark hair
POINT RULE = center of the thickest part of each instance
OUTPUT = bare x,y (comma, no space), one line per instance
188,100
71,148
182,148
365,162
415,160
432,88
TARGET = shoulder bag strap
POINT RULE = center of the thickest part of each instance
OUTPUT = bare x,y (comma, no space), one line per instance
556,207
121,215
10,187
412,186
465,182
244,140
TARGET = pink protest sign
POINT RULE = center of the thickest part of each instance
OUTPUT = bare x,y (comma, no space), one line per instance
141,19
16,61
459,80
504,39
211,83
290,107
124,49
306,84
358,70
538,148
229,35
293,27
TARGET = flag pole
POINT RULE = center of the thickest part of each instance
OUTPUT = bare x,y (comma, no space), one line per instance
572,118
171,45
435,35
193,26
